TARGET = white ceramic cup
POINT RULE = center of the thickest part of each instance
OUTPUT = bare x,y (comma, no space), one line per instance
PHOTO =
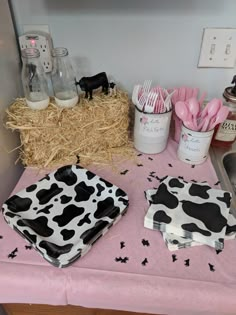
194,145
151,131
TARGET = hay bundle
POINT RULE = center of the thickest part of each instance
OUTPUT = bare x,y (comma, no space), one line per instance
92,131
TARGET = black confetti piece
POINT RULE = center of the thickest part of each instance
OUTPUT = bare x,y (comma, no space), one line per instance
145,242
124,172
122,245
1,237
218,251
186,262
47,177
174,258
140,154
139,165
78,159
193,180
170,165
28,247
151,159
217,183
122,260
149,179
180,177
204,182
13,253
162,178
212,268
193,165
152,172
144,262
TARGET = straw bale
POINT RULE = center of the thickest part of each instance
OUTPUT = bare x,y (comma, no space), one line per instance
91,132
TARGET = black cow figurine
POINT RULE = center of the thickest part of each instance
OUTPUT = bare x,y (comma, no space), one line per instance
88,84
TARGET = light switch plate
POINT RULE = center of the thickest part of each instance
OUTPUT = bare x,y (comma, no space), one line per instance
218,49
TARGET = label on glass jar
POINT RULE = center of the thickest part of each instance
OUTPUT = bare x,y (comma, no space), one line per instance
226,131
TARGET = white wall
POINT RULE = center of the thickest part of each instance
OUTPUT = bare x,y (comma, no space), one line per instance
133,40
9,89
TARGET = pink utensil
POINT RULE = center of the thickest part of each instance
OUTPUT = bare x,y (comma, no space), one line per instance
182,94
212,109
181,110
174,98
203,113
220,117
194,108
149,106
195,92
142,101
189,92
202,98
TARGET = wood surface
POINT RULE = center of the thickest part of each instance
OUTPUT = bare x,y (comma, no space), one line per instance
35,309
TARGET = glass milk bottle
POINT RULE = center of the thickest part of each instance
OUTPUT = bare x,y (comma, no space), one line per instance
34,79
63,79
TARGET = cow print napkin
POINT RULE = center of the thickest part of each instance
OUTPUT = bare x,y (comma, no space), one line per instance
191,210
175,242
172,241
231,227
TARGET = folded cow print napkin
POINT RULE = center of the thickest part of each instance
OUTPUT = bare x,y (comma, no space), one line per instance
175,242
231,227
191,210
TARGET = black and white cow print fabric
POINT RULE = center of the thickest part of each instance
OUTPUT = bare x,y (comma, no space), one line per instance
64,213
191,210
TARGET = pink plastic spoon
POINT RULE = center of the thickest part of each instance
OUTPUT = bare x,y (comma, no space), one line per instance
220,117
203,113
202,98
181,110
212,109
194,108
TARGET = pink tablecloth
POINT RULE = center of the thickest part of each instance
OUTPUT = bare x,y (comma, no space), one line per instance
204,285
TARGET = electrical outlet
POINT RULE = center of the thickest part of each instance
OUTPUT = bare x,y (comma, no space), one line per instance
218,48
43,42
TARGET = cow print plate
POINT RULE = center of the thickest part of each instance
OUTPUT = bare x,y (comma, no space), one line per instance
65,213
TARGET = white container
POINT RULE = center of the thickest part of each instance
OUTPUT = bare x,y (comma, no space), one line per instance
194,145
151,131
